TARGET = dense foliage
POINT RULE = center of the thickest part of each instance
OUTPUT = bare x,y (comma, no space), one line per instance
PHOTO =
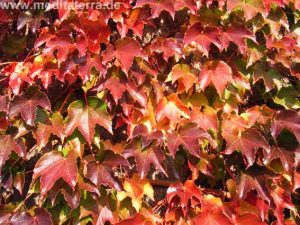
151,112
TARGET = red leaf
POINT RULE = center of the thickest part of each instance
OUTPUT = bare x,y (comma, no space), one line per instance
286,119
42,217
188,136
171,108
169,47
55,126
218,73
157,6
206,119
247,142
126,50
287,158
144,157
250,8
100,175
187,193
249,219
115,85
7,145
204,37
237,35
184,77
27,105
85,117
247,183
53,166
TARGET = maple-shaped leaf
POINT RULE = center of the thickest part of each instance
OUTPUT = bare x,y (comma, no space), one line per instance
187,193
53,166
286,119
286,157
126,50
136,188
41,217
270,77
28,103
86,67
184,76
168,46
85,117
190,4
55,125
218,73
258,114
189,136
212,212
237,35
135,21
249,7
171,108
63,42
100,174
206,118
7,145
268,3
247,142
247,183
94,29
204,37
249,219
157,6
144,157
144,217
116,86
282,201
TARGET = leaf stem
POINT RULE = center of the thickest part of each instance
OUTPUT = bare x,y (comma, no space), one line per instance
65,100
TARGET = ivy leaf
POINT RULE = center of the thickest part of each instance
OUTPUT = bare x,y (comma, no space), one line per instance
249,219
157,6
187,193
126,50
270,77
7,145
144,157
53,166
286,157
136,188
115,85
168,46
27,104
204,37
206,119
218,73
237,35
286,119
41,217
247,142
171,108
282,200
100,175
184,76
213,212
249,7
247,183
188,136
55,125
85,117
